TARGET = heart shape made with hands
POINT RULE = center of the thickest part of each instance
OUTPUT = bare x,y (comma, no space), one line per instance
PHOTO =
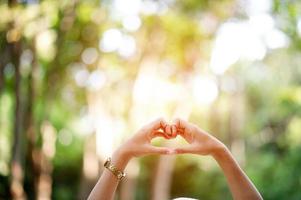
170,132
199,141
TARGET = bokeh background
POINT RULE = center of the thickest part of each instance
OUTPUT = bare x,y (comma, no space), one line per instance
79,77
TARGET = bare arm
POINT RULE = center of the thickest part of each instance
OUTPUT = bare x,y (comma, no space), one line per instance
240,185
203,143
107,184
138,145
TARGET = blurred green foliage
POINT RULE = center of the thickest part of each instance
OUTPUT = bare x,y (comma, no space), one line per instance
46,42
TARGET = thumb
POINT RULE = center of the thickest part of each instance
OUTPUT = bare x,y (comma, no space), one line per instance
188,149
160,150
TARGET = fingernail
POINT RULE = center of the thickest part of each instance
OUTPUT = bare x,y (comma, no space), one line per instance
167,130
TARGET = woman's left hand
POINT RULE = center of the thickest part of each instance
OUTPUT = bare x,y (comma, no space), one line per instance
140,143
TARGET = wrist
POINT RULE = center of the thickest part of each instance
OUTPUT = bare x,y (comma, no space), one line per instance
120,158
221,152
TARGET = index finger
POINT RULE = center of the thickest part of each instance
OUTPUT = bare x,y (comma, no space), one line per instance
159,123
180,123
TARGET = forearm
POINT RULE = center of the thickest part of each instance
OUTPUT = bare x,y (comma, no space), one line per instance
107,184
240,185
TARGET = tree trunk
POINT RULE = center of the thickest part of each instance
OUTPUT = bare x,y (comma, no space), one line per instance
12,2
215,116
44,182
4,57
128,185
16,165
162,182
31,158
2,64
236,123
91,167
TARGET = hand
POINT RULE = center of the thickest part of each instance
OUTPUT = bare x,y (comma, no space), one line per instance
140,143
200,141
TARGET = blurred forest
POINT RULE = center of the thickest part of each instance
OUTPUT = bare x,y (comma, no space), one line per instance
79,77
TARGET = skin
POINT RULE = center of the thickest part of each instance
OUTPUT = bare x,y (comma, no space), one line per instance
138,145
200,143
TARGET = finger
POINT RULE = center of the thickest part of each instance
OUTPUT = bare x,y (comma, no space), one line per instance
180,132
163,124
171,131
180,123
174,131
157,124
168,130
159,134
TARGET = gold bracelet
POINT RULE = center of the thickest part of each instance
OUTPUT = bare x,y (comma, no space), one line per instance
118,173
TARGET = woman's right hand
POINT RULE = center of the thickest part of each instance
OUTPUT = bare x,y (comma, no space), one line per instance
200,142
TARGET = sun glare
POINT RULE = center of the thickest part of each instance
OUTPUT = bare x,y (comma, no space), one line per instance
205,90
